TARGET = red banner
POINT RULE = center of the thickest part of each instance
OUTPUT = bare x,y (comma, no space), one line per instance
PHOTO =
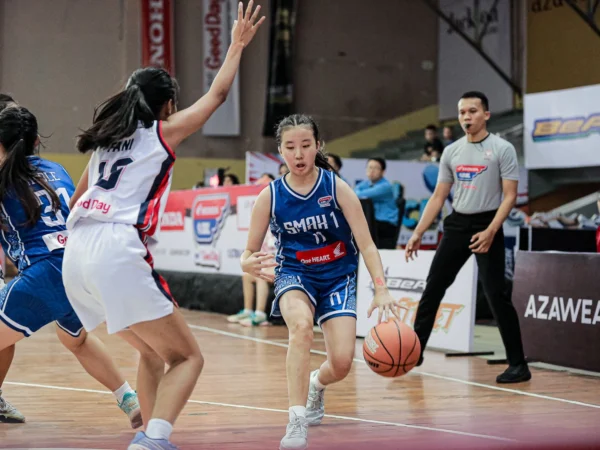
157,34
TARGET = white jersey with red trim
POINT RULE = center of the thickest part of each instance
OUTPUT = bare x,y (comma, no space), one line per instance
129,182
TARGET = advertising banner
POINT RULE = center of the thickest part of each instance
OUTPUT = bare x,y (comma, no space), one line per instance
218,17
157,34
557,297
205,230
562,128
280,84
453,329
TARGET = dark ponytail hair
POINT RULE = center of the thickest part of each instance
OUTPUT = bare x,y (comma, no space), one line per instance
6,101
302,120
18,136
146,93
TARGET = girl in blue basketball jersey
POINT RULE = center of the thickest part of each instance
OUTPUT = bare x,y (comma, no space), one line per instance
320,227
33,207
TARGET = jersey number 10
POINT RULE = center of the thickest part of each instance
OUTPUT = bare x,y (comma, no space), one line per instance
116,170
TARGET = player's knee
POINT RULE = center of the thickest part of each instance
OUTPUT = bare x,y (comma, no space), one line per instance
340,366
191,356
151,359
301,332
75,344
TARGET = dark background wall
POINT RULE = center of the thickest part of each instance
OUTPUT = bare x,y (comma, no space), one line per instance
356,64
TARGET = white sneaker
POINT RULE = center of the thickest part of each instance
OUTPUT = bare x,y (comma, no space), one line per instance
8,413
296,435
315,406
235,318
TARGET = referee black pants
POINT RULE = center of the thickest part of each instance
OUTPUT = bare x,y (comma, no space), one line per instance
452,253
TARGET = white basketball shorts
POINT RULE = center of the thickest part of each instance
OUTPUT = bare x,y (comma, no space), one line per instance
108,277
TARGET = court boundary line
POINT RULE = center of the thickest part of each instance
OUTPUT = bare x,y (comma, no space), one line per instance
427,374
259,408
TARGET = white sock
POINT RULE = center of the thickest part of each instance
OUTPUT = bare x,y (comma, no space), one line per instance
120,393
317,383
260,314
247,311
299,411
159,429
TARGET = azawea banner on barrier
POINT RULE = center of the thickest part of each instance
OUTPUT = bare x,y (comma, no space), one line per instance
557,298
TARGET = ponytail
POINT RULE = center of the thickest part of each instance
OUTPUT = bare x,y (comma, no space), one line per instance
16,177
147,91
116,119
321,161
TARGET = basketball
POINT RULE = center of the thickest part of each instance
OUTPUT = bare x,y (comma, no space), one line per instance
391,349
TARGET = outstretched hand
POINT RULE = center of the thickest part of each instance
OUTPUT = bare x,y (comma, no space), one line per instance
245,27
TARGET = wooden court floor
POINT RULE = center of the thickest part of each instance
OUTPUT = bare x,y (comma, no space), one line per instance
240,400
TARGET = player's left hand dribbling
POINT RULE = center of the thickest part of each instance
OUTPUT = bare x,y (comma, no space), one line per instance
482,241
385,304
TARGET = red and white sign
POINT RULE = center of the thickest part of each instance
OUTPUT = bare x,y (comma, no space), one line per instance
258,163
205,230
217,22
322,255
157,34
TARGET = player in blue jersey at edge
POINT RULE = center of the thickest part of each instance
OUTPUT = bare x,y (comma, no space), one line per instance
319,227
34,194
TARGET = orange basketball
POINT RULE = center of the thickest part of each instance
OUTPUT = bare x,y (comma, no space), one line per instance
391,348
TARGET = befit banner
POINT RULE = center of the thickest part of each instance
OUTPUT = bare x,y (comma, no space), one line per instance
562,128
455,322
557,297
218,17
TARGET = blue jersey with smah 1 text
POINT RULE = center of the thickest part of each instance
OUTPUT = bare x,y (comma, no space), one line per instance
312,235
26,244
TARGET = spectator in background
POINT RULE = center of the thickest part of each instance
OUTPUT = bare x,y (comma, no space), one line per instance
247,317
283,169
433,151
448,136
335,161
265,179
430,134
432,143
381,192
230,180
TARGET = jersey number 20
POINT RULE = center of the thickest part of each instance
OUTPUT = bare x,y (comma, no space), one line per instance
116,170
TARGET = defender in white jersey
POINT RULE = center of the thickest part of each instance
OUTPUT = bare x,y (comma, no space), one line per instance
107,268
127,182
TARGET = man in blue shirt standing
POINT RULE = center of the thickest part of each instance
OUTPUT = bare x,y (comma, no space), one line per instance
381,192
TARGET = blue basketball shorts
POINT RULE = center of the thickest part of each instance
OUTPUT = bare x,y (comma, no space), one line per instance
36,297
331,297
